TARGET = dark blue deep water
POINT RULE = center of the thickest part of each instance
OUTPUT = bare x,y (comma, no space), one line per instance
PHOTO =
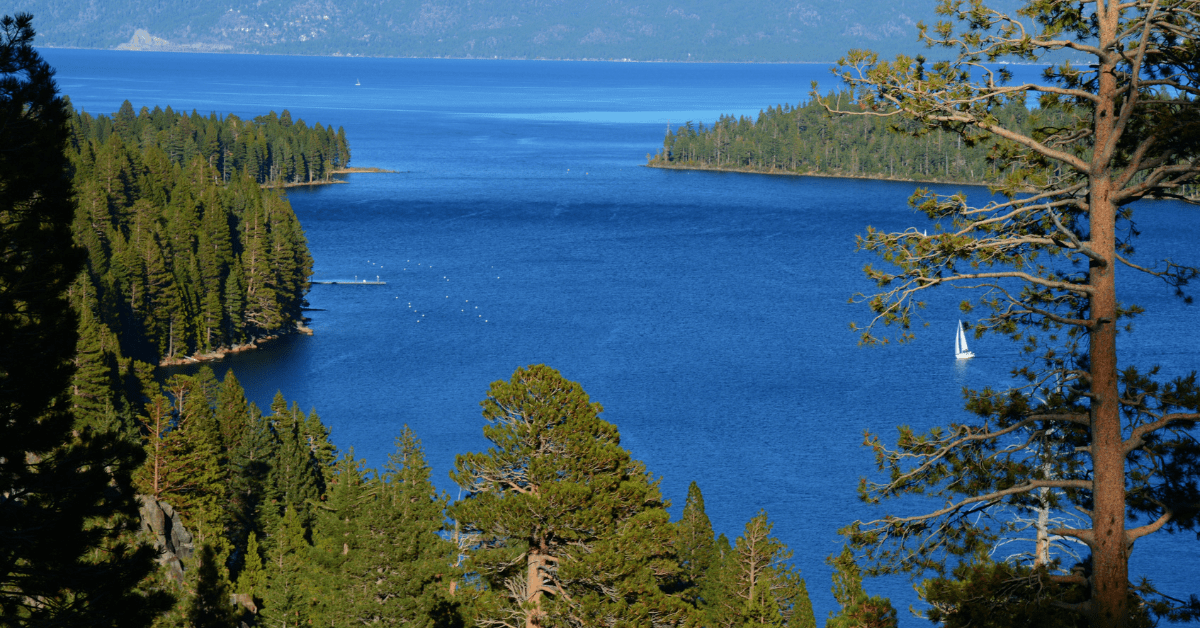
707,312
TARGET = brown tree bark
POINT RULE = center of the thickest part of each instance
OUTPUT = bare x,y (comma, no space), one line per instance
533,587
1110,556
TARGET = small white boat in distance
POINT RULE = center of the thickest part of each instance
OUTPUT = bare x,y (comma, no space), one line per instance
961,351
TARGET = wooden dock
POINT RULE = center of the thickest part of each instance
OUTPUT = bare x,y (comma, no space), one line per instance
343,282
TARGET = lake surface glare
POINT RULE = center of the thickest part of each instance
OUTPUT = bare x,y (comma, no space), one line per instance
707,312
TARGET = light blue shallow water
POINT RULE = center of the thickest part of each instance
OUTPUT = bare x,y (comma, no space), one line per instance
707,312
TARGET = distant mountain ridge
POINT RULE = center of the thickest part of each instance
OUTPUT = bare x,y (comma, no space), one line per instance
641,30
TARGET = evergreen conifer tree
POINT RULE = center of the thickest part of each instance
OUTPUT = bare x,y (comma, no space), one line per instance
295,478
989,594
285,603
317,437
209,606
183,456
696,548
572,530
402,562
858,610
195,399
756,586
252,580
95,400
66,500
251,497
232,412
340,535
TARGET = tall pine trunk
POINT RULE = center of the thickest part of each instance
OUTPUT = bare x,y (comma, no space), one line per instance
533,587
1110,555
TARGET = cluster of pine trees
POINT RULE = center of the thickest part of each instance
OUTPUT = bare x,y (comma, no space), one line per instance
558,526
184,255
807,140
271,149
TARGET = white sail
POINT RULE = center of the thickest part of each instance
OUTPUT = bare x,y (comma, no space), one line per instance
961,351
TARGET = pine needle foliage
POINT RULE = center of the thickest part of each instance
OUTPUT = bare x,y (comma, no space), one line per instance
1041,254
857,608
756,584
697,551
186,254
66,504
570,530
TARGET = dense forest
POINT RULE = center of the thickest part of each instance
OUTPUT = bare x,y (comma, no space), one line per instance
807,140
271,149
187,252
275,519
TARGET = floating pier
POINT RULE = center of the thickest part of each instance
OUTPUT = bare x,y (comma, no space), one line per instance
344,282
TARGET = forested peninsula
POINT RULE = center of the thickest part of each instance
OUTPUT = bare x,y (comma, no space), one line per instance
188,253
808,140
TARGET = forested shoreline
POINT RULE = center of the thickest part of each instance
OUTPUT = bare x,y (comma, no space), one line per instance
806,139
131,501
187,252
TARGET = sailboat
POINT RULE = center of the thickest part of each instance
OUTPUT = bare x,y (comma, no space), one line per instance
961,351
356,82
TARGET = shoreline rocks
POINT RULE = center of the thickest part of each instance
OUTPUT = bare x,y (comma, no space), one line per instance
222,352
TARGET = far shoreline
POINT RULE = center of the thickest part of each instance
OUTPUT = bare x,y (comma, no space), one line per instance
452,58
823,175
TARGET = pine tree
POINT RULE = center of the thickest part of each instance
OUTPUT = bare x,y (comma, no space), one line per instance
179,468
95,400
989,594
67,499
402,565
755,584
340,536
232,412
262,311
317,436
1046,254
209,606
251,496
252,580
696,548
201,505
295,477
570,528
858,610
343,149
284,601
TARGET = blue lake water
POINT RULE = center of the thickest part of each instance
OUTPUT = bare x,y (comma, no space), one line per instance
707,312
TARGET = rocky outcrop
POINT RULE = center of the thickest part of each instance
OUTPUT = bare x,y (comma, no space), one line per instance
143,40
173,541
